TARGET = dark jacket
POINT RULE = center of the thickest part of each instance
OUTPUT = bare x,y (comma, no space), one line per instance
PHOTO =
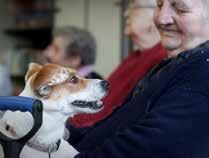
166,116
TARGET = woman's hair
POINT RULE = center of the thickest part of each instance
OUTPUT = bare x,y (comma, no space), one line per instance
78,42
145,3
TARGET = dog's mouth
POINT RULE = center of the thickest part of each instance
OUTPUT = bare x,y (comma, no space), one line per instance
95,105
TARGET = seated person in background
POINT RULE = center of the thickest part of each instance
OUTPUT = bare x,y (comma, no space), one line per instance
73,47
141,29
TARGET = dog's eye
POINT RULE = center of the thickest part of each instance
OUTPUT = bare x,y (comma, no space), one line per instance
73,79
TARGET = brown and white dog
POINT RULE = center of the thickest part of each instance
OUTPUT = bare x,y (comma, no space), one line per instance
63,94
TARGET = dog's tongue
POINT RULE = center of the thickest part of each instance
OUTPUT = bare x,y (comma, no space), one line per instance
92,105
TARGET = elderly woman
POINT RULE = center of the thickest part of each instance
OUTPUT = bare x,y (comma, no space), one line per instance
73,47
141,29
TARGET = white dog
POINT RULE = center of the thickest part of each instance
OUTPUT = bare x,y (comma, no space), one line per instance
63,94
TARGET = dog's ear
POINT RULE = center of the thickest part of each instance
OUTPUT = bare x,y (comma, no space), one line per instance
32,68
43,91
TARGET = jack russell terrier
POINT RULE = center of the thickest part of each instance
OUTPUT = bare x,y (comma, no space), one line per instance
63,94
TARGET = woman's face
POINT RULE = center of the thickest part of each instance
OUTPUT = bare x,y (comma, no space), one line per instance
183,24
138,22
55,53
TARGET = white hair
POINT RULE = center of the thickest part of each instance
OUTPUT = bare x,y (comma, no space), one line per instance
205,4
145,3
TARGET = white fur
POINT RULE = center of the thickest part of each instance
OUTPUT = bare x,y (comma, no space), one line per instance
60,77
54,116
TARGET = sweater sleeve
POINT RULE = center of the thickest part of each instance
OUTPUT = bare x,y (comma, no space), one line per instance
176,127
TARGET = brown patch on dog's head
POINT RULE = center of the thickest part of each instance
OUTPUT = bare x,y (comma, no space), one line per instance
54,78
61,89
50,74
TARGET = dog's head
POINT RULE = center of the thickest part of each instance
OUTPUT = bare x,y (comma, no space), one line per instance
61,89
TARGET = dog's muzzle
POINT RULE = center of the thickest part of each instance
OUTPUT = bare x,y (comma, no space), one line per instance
94,105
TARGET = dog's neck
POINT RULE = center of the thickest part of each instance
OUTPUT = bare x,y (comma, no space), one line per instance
52,128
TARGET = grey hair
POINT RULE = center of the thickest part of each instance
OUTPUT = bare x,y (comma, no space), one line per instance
206,5
146,3
78,42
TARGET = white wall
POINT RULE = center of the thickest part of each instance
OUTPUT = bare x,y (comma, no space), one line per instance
71,13
104,23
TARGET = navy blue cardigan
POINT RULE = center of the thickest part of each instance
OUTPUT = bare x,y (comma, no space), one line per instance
167,115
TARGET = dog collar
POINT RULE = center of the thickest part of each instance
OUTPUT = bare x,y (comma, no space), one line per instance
44,148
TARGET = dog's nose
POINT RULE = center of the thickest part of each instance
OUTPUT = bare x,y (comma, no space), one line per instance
104,85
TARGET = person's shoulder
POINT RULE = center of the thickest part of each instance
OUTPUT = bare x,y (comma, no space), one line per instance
193,71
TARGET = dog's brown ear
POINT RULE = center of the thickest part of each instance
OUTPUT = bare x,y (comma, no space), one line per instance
32,68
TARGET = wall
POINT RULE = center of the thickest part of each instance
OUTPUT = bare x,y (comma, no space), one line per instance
6,21
103,20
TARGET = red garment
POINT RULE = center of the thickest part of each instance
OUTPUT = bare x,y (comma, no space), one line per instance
121,82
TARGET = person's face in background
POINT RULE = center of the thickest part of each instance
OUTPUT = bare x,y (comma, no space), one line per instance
140,26
183,24
55,53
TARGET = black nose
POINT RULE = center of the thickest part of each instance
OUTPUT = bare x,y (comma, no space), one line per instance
104,85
